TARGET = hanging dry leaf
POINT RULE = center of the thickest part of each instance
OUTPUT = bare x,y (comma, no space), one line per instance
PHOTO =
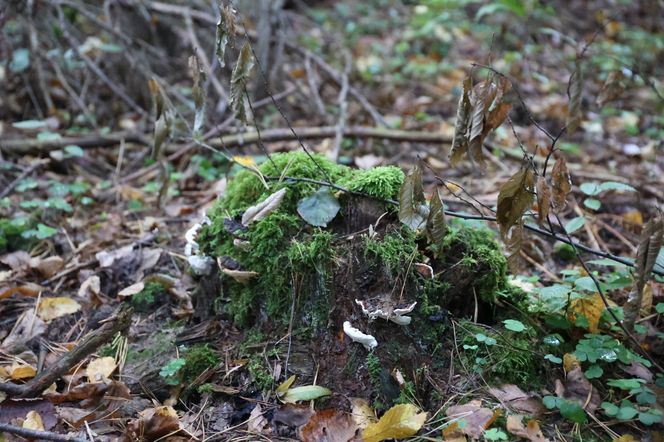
481,98
460,141
263,209
651,241
225,31
436,226
543,199
612,89
51,308
399,422
412,207
239,79
100,369
561,184
575,94
198,92
514,244
514,198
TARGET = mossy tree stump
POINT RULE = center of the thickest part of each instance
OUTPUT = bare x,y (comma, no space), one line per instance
316,278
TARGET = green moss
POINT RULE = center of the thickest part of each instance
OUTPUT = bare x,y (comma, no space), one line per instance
198,359
395,249
144,300
478,253
259,373
381,182
564,252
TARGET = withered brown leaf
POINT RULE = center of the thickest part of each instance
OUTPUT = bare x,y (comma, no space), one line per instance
515,197
436,225
543,199
460,141
575,92
561,184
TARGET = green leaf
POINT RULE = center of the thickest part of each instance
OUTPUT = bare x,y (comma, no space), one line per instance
550,402
575,224
659,307
610,409
20,60
613,185
594,372
646,396
590,189
306,393
494,434
625,384
592,203
626,413
585,283
43,231
319,208
72,150
554,340
650,417
48,136
514,325
172,367
30,124
573,412
551,358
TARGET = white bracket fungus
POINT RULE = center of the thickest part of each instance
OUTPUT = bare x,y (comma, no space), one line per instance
200,264
397,315
355,335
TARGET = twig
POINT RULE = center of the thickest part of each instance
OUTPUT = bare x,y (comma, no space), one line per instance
90,343
39,435
313,87
36,165
343,107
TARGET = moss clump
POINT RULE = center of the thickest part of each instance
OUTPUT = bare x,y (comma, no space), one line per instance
381,182
282,244
480,258
395,249
11,231
144,301
198,359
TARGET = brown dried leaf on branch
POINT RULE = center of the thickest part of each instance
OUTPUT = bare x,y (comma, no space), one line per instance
543,199
239,79
515,197
436,226
575,94
225,30
198,92
652,239
412,204
481,110
612,89
561,184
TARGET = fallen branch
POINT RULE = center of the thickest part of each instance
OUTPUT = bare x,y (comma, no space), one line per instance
38,435
90,343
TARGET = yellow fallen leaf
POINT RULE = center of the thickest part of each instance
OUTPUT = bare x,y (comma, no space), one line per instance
33,421
100,369
399,422
51,308
20,371
633,217
362,413
624,438
591,307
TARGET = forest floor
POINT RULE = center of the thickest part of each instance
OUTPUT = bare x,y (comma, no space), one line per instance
114,142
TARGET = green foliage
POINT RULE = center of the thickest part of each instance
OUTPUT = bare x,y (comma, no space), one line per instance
144,300
381,182
171,371
568,409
